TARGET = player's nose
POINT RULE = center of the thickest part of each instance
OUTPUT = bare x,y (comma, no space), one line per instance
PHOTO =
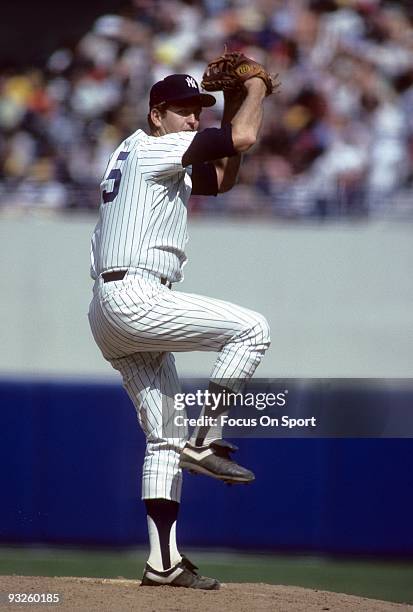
191,120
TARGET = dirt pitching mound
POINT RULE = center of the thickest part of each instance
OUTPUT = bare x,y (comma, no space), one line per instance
119,594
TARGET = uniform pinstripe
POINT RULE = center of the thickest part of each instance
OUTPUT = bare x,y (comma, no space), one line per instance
137,322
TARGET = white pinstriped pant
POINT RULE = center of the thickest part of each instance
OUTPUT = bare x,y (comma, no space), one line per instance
136,323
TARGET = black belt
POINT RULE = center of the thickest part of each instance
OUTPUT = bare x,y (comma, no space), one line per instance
108,277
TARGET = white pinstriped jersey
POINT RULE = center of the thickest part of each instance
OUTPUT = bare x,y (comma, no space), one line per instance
143,219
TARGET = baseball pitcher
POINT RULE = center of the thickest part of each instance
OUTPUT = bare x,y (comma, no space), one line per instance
137,255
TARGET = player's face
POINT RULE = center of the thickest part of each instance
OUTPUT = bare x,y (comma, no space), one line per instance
181,118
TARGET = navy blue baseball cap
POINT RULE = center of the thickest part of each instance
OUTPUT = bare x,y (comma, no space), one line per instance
178,88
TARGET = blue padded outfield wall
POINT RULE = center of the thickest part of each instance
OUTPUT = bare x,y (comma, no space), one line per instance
71,456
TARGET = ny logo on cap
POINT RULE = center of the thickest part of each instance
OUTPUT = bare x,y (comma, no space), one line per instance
191,82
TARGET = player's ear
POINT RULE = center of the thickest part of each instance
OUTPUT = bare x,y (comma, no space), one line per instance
156,116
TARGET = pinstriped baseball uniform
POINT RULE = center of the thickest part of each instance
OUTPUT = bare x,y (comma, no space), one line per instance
143,217
137,321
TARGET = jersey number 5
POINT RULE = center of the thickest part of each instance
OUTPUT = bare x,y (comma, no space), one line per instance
115,174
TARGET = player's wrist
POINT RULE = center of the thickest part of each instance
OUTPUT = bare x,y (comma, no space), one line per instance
255,84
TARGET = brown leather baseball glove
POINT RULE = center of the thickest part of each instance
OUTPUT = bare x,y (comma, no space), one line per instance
229,71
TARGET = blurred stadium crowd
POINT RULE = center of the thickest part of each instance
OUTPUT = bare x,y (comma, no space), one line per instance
336,140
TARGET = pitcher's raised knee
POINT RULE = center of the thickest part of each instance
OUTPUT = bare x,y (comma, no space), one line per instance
256,330
263,330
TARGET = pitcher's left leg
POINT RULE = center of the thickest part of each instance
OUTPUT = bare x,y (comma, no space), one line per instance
206,452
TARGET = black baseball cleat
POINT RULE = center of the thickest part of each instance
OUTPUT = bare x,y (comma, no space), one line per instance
183,574
214,460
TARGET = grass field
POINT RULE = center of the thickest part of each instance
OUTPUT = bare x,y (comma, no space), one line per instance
391,581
